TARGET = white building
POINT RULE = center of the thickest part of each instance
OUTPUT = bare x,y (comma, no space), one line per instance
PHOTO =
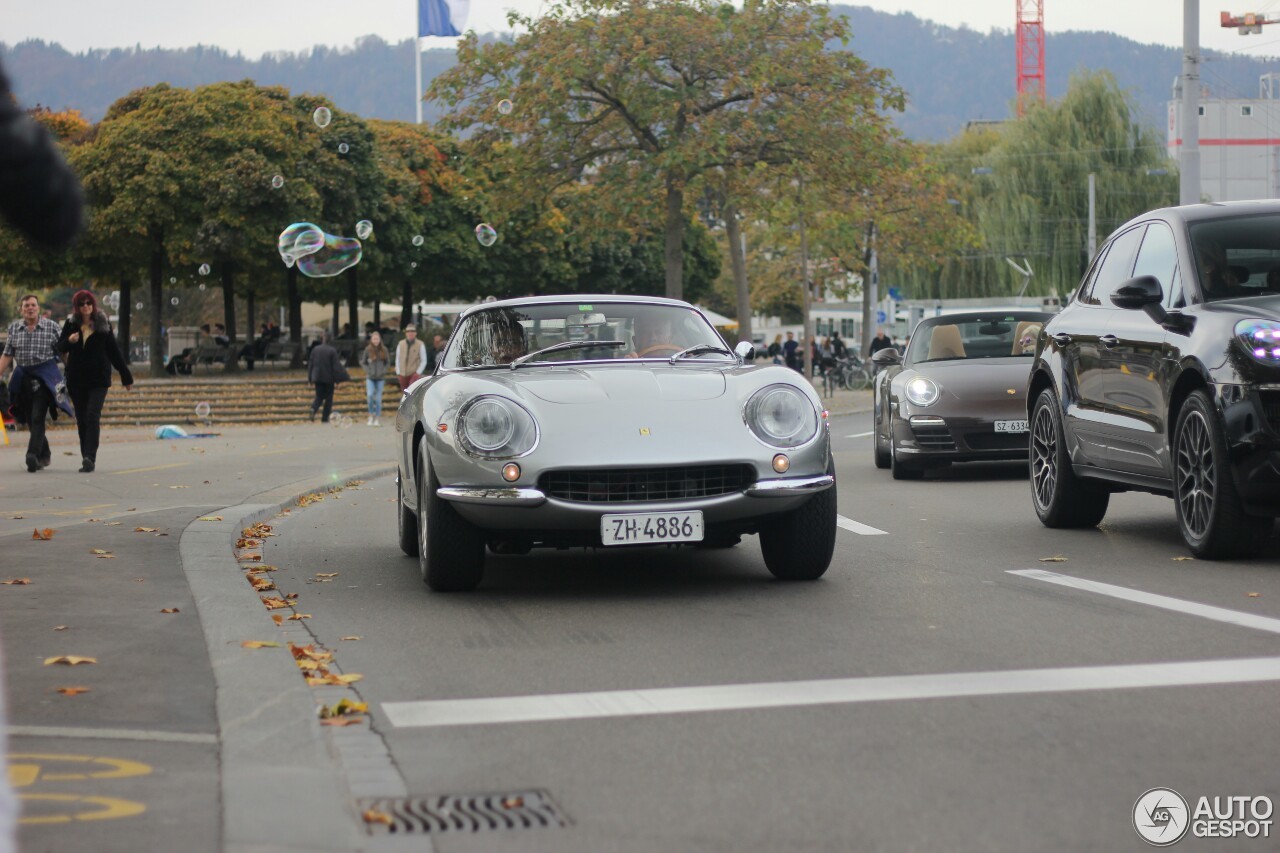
1239,143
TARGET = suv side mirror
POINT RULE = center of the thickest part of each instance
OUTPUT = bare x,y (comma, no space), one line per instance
744,351
886,357
1138,293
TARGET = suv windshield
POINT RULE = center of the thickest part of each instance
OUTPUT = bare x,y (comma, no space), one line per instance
498,336
1237,257
970,337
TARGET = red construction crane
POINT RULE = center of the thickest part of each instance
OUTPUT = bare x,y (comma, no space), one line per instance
1249,22
1030,35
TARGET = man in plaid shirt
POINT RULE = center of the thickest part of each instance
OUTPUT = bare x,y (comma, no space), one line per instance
32,346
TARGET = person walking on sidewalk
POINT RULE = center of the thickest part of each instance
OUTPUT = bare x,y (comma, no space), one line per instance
411,357
374,359
32,347
325,371
91,350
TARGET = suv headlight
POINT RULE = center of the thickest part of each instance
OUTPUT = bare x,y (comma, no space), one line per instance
496,428
922,391
1262,340
781,416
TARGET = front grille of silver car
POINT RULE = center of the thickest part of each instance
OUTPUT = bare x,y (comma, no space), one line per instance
933,437
635,485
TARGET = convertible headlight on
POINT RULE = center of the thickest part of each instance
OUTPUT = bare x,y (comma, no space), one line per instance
496,428
922,391
781,416
1262,339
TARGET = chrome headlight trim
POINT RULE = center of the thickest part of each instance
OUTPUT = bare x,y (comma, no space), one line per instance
760,410
921,391
521,437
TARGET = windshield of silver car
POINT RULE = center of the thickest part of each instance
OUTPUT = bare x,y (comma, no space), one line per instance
498,336
1237,257
997,336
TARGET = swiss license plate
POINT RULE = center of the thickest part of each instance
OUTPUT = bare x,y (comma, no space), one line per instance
1011,426
634,528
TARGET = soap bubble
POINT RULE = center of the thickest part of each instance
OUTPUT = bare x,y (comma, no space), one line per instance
202,285
363,229
417,240
203,409
173,301
205,269
413,265
337,255
343,148
138,306
277,182
173,279
322,116
505,106
299,239
486,235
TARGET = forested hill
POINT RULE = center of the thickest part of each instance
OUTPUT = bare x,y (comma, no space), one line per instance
951,75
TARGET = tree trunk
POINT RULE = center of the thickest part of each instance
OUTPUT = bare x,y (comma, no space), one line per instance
295,317
377,314
738,260
337,312
867,329
124,314
229,315
251,318
406,303
157,301
353,314
673,237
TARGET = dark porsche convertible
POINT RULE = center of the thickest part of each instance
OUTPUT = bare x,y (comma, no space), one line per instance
958,394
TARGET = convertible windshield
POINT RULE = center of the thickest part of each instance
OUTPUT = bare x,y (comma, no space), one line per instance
971,337
498,336
1237,256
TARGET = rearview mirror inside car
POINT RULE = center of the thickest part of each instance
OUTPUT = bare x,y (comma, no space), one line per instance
596,319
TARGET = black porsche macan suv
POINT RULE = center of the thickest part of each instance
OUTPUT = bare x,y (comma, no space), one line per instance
1162,374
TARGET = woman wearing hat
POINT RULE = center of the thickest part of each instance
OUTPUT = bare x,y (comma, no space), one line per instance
91,351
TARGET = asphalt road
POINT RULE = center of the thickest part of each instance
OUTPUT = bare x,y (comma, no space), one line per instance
921,696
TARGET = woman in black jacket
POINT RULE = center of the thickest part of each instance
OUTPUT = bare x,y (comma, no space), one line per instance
91,351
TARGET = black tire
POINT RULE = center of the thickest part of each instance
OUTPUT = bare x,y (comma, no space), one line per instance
1061,498
407,521
882,455
902,470
1211,516
798,546
450,550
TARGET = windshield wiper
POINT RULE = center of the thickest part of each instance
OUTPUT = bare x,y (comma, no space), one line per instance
697,348
563,346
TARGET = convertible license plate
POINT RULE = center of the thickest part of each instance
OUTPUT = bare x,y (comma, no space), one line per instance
634,528
1011,426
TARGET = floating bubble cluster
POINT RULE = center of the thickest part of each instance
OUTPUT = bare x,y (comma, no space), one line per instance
277,182
322,116
298,240
343,148
363,229
486,235
205,269
174,301
417,240
505,106
317,254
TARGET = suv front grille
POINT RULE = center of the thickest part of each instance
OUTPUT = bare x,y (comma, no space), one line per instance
633,485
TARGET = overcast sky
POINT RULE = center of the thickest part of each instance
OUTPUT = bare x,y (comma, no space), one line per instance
257,26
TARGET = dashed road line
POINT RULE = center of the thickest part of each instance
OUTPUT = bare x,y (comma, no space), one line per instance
1178,605
858,527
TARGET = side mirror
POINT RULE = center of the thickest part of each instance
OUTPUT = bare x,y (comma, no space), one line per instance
886,357
745,351
1138,293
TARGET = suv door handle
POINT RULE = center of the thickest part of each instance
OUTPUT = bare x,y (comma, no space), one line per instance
1062,339
1108,341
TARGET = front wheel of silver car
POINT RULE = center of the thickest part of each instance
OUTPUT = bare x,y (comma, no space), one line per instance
450,550
407,521
1061,498
1211,516
798,546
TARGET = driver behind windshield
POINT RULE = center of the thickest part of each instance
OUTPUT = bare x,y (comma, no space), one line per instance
654,335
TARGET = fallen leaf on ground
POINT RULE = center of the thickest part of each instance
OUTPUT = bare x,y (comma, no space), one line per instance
326,574
259,644
105,556
353,638
1255,595
113,523
210,518
327,680
45,534
343,708
262,584
257,531
512,802
310,665
130,509
248,543
72,691
69,660
310,651
145,529
249,558
59,627
139,580
292,596
273,602
375,816
1057,559
298,617
341,721
169,610
16,582
253,570
20,517
67,453
91,520
1182,559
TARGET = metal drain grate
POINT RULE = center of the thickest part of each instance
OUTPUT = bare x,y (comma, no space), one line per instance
466,813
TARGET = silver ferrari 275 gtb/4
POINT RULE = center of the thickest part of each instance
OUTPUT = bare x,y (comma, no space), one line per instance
608,421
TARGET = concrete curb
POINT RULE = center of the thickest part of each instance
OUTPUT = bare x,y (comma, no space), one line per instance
282,787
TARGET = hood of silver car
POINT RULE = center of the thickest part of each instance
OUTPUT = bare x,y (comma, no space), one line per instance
656,383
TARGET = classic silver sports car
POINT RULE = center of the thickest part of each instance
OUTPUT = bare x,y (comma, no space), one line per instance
608,421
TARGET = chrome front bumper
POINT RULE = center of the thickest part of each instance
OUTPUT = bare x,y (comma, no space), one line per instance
784,488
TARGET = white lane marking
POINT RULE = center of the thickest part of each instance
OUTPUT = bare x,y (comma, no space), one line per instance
111,734
837,691
1205,611
860,434
858,527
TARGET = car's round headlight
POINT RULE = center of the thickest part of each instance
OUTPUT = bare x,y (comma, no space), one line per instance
496,427
1262,340
922,391
781,416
